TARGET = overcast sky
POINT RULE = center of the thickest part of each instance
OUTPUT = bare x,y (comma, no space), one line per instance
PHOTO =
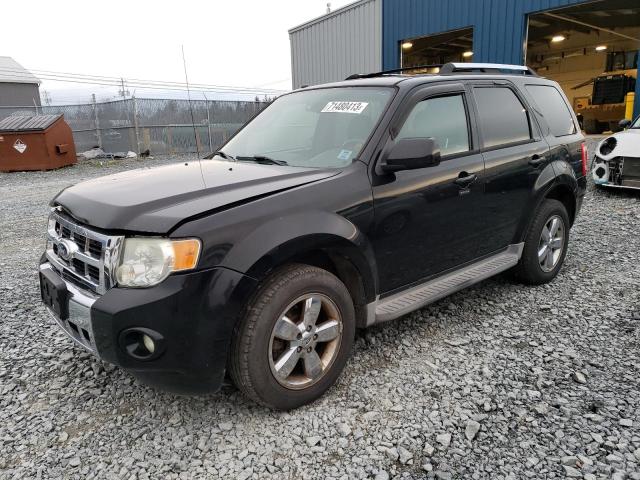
240,43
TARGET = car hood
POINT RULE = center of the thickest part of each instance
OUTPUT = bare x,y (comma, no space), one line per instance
154,200
627,144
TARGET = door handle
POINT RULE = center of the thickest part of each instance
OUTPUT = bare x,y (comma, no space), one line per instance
464,179
536,161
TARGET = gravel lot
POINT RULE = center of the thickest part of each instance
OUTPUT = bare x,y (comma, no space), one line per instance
500,381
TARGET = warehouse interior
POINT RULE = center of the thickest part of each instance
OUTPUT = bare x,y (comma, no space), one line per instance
453,46
591,50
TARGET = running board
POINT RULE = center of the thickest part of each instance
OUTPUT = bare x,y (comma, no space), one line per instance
416,297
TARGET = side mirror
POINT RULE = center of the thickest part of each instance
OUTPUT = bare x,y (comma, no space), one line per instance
410,154
624,123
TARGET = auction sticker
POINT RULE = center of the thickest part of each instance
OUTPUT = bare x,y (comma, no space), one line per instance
345,107
344,154
20,146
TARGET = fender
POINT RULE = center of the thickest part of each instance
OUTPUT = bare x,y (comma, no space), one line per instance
557,173
283,238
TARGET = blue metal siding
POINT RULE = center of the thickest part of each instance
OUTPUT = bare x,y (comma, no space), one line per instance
498,25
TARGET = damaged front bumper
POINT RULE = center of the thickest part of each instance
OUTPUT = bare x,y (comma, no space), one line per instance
617,172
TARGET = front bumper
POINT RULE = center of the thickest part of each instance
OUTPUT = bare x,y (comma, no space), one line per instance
78,325
193,313
617,172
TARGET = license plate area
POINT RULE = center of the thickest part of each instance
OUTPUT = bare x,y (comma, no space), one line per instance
54,293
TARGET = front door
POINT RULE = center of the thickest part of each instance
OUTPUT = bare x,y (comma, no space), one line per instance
427,220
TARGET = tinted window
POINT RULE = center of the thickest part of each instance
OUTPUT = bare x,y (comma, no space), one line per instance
442,118
503,118
553,108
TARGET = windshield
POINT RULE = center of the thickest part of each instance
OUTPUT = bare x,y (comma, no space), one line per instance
313,128
636,124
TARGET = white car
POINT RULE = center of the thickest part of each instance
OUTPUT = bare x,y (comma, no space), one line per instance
617,159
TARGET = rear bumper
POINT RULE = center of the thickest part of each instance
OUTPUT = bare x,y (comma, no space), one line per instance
193,315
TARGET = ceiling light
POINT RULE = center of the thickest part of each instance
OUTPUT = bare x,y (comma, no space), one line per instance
558,38
407,45
601,48
467,54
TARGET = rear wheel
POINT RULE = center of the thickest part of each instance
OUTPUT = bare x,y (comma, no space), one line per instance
545,245
615,127
295,338
591,126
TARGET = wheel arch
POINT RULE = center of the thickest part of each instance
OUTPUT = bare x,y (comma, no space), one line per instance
551,184
321,239
329,252
565,195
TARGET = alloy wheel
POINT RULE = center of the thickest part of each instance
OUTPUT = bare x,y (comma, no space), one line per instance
305,341
551,243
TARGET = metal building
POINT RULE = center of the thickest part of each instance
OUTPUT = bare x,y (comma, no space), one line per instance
571,41
18,86
335,45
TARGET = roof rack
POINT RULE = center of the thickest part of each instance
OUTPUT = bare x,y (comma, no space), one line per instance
452,67
485,68
387,72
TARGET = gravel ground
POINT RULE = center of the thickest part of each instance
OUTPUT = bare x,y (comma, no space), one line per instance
499,381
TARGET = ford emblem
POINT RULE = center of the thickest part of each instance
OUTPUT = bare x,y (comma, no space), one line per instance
66,249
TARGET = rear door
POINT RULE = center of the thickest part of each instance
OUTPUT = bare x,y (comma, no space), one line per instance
558,122
428,220
514,153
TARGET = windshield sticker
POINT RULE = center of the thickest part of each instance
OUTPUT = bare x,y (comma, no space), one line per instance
345,107
344,154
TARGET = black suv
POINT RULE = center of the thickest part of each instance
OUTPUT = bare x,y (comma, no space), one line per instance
337,207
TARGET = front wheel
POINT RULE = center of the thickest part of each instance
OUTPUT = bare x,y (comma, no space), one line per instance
545,245
295,338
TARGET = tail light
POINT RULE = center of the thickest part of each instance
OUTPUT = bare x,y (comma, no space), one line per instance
583,147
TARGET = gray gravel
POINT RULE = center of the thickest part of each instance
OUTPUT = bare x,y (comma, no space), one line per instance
499,381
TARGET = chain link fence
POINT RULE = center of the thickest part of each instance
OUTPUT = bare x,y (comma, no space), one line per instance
161,126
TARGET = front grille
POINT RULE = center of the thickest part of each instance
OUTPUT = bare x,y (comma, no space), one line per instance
84,256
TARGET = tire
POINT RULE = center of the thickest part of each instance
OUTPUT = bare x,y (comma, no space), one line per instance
257,350
602,127
530,269
614,127
590,126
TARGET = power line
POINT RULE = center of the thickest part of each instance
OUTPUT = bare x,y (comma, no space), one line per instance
117,81
109,80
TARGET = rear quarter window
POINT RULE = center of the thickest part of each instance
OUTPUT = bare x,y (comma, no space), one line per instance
553,108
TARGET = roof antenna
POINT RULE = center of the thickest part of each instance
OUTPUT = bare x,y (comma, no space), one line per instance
329,7
193,122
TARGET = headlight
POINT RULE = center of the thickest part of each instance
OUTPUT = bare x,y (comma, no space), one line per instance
148,261
607,146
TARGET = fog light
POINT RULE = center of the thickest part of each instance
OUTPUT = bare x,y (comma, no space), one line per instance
142,343
148,342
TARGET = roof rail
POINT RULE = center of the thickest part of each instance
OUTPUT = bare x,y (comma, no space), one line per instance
485,68
386,72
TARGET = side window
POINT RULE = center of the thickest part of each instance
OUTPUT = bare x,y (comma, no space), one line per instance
553,108
442,118
503,119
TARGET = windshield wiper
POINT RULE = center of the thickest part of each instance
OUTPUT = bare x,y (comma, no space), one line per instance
220,153
262,159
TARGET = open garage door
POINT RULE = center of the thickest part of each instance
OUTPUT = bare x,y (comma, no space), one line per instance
591,50
452,46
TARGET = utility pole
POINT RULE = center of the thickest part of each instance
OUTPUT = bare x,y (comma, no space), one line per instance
123,93
96,120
